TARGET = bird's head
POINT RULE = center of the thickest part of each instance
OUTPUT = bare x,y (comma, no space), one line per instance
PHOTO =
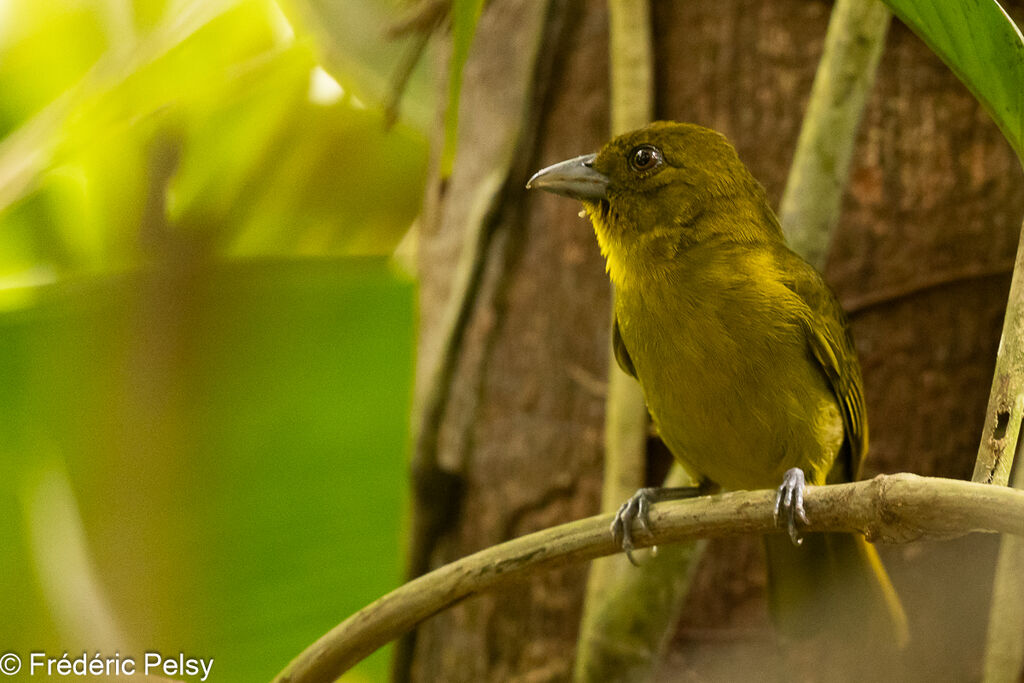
657,191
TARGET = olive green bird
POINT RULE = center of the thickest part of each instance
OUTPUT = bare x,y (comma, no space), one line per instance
743,353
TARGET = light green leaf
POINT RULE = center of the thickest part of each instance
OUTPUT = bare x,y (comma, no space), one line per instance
983,47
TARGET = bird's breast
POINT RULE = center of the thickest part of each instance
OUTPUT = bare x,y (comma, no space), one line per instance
728,376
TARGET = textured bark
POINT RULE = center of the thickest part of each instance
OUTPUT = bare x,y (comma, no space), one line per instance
523,424
921,259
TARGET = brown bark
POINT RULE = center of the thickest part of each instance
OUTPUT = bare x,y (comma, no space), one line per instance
921,258
523,424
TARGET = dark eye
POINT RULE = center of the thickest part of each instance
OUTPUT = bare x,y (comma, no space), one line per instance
644,158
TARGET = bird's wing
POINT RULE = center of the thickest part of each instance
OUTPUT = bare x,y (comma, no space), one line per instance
831,344
621,353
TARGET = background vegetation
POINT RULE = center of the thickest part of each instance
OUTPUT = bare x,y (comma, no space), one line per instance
206,351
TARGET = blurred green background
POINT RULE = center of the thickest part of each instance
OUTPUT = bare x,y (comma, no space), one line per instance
206,347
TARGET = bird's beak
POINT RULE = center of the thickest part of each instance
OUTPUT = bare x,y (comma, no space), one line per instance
574,178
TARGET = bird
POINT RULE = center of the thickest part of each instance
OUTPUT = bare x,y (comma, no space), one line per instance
743,354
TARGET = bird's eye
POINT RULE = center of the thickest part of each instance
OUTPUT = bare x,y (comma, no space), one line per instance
644,158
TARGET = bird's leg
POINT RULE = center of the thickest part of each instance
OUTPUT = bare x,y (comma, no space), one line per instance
789,503
638,509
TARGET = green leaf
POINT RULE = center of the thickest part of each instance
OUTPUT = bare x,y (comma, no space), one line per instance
277,173
465,14
983,47
232,441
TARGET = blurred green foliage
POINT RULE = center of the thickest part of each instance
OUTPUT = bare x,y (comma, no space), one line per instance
205,351
350,47
465,15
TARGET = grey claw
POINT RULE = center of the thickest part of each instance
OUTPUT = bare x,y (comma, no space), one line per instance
794,534
789,503
636,509
627,547
643,512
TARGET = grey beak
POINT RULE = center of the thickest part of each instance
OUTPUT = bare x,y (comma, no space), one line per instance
574,178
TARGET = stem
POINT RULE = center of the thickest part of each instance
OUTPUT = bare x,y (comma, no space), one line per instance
1006,400
631,59
1004,646
632,103
810,206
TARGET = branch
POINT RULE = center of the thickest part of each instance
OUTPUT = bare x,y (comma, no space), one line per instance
1000,442
891,508
1004,645
631,63
1005,410
811,204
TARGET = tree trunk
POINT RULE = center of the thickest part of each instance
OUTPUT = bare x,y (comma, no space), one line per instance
921,260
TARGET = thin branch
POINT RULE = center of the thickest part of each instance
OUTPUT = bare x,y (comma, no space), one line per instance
404,70
632,103
423,17
631,61
892,508
1004,644
999,438
858,304
810,207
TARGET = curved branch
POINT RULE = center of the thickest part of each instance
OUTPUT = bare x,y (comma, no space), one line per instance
891,508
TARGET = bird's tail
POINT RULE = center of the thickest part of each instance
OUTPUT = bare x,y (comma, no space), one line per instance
834,586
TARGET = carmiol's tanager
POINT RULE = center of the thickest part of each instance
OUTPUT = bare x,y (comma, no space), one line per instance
743,353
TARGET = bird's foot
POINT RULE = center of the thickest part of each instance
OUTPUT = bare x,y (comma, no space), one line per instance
789,503
636,509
